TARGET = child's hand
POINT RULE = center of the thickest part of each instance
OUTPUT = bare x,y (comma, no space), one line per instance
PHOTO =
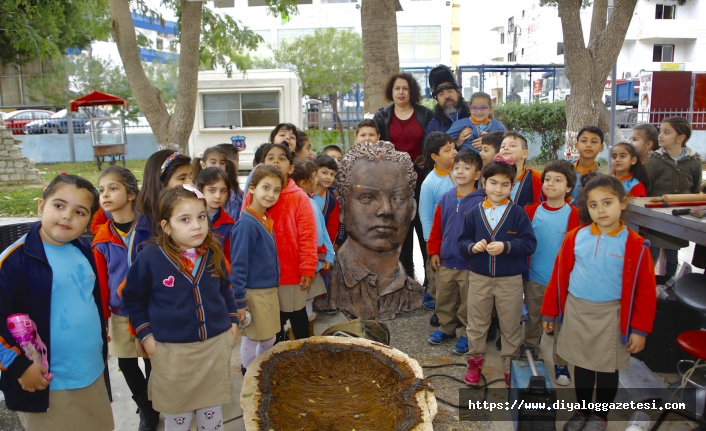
465,134
235,331
479,246
325,265
435,262
140,349
305,282
636,343
335,248
150,345
495,248
548,326
241,314
107,331
33,380
478,142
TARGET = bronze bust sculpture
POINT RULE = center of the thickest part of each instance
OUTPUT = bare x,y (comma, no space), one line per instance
376,195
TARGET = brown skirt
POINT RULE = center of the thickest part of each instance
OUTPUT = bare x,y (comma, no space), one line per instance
264,309
191,376
590,336
291,297
74,409
122,344
317,288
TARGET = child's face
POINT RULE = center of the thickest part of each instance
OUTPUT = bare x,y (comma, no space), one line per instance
445,159
555,185
188,225
305,152
622,160
180,177
113,195
309,186
65,214
512,146
589,145
668,137
267,192
480,108
367,134
497,187
337,156
642,146
287,137
325,177
216,194
465,173
215,159
605,208
487,153
276,157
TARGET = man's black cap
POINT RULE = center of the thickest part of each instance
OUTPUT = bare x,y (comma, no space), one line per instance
439,75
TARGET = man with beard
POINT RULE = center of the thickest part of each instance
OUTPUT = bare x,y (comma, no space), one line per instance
450,105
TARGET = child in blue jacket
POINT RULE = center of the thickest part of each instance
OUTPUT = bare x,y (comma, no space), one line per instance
50,275
468,132
497,239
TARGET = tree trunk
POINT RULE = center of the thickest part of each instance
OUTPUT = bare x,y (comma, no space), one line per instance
381,60
587,67
170,131
333,97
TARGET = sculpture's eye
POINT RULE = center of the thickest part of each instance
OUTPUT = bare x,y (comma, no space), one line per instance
366,199
398,200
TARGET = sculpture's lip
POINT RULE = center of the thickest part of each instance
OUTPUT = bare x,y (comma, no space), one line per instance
383,228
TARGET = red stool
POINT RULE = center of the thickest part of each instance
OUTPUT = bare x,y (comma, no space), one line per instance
693,343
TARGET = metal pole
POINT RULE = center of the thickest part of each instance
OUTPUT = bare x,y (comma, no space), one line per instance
613,96
70,131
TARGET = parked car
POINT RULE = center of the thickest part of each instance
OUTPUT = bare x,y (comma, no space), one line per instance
16,120
57,123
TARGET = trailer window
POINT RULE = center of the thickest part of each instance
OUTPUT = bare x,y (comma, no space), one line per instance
229,110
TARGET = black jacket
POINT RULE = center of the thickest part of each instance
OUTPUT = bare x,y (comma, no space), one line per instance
384,115
441,122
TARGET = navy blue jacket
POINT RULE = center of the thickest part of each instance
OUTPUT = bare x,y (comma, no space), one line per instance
26,287
442,122
452,217
514,229
175,306
254,263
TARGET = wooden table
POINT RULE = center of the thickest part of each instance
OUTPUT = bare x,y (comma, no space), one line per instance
661,219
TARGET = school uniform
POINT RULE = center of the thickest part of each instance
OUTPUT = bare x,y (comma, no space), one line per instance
324,253
189,314
496,279
602,290
579,173
234,204
489,125
452,275
527,189
55,286
221,224
550,227
328,205
633,187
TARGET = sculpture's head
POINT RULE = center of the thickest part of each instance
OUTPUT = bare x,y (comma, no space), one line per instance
376,193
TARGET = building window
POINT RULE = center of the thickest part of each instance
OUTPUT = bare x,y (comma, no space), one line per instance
663,53
226,110
560,48
523,51
664,11
160,44
419,43
502,38
173,45
523,14
511,56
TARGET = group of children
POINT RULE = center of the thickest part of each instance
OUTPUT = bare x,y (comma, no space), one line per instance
175,269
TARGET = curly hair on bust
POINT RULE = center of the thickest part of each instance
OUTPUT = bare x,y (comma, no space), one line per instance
374,152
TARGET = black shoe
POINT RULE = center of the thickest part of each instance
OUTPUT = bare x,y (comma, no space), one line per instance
149,418
661,279
434,321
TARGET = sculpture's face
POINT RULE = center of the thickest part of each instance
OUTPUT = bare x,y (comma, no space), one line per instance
378,210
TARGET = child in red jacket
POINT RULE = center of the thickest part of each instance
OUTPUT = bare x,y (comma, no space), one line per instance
603,280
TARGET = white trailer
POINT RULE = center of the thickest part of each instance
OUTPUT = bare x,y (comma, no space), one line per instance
249,105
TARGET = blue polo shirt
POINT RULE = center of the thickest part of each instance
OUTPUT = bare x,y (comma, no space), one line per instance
549,226
76,357
598,270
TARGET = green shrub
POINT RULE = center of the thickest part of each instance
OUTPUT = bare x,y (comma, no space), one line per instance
547,120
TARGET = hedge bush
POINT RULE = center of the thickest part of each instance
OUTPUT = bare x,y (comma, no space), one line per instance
547,120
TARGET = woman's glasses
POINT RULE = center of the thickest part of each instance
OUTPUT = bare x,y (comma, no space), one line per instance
479,108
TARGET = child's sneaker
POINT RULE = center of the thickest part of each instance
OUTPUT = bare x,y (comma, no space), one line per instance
595,423
576,423
474,370
563,377
507,380
428,302
439,337
525,314
461,346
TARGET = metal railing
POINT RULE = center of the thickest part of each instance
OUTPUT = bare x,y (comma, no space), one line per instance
633,116
326,120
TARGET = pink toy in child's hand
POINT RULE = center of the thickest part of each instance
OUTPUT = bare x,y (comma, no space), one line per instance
24,331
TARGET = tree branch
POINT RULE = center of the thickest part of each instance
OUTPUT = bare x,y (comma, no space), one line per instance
598,19
574,43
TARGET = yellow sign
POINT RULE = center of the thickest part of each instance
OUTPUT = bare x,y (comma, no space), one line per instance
672,66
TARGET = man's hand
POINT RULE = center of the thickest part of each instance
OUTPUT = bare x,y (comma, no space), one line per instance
548,326
635,343
479,246
305,282
495,248
33,380
150,345
435,262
